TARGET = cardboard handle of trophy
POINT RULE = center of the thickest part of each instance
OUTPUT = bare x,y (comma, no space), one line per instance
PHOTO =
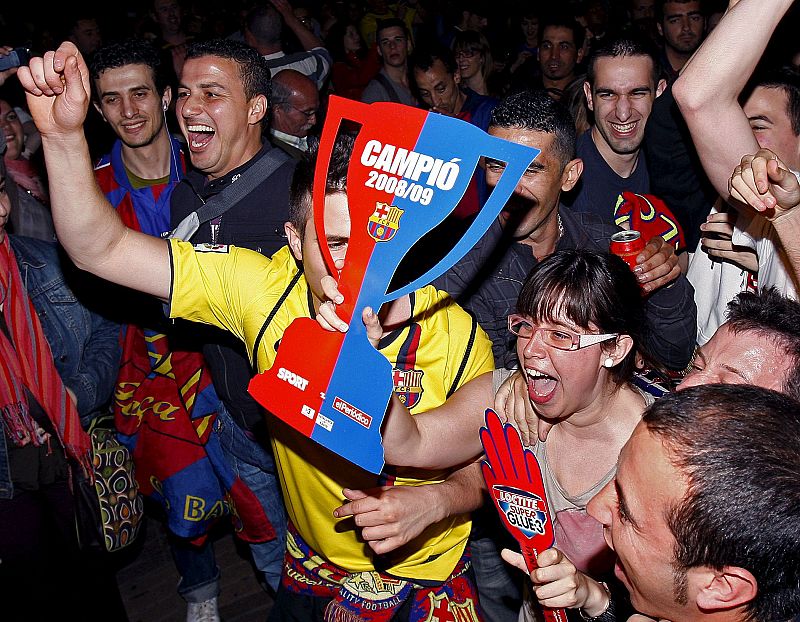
293,389
314,386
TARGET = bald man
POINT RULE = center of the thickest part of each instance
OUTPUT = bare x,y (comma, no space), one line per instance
295,102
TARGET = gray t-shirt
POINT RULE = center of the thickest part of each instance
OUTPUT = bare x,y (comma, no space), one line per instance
376,91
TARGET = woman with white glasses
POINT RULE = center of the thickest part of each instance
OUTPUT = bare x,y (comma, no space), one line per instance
579,326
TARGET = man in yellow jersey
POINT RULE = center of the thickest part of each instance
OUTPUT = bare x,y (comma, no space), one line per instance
331,572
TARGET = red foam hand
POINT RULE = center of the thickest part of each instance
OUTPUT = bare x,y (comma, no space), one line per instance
515,484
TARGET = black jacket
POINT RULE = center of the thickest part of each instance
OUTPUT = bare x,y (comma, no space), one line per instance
256,222
488,280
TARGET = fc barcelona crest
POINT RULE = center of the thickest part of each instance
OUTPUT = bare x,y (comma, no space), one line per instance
384,222
408,386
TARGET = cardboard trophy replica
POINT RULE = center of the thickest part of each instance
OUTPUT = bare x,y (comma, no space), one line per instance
408,171
515,484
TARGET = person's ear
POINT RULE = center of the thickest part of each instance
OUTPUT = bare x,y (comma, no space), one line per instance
457,76
660,29
572,173
587,90
579,57
295,240
725,589
618,351
258,109
660,87
100,110
166,98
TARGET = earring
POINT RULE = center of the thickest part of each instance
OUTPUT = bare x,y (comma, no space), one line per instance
165,106
609,362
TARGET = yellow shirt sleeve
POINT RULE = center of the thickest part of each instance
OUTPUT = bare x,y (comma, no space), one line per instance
216,284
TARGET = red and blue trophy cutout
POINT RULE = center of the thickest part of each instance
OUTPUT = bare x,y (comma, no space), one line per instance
409,170
515,484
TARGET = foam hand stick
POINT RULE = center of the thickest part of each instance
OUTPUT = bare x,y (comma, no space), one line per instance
515,484
408,171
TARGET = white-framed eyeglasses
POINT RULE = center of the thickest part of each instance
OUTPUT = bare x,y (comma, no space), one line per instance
558,338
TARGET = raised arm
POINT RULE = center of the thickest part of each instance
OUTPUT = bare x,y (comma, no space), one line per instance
307,39
708,89
57,87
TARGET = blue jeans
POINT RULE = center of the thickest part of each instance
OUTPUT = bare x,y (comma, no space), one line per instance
255,465
198,569
499,585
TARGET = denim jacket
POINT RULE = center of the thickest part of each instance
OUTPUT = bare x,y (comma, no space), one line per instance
85,346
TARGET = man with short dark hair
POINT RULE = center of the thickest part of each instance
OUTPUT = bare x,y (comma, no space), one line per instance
532,225
702,512
438,82
222,102
132,97
560,52
682,25
392,83
758,344
295,102
84,32
621,85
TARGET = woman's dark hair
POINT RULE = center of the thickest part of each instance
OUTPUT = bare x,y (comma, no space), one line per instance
335,41
588,288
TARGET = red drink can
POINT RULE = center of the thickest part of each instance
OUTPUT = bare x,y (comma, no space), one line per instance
627,245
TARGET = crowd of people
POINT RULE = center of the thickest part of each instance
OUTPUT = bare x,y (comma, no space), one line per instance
157,238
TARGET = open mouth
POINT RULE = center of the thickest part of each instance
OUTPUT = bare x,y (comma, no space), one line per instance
199,136
541,387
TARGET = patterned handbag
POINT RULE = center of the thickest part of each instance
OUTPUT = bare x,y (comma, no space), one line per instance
109,513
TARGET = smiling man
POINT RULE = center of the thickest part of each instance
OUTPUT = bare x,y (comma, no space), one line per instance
144,164
622,84
702,513
222,103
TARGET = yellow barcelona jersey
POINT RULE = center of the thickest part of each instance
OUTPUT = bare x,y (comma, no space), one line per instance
237,289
